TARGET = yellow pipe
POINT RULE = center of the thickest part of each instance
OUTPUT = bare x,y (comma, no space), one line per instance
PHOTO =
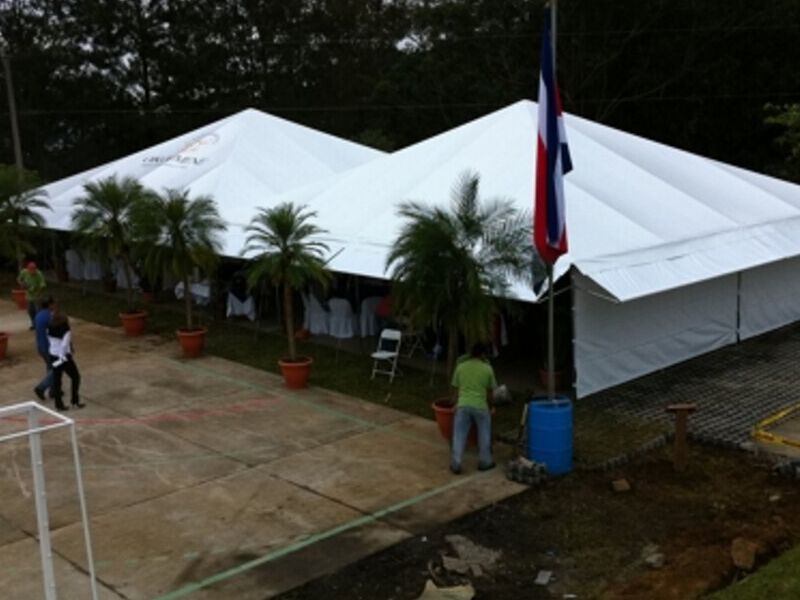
759,431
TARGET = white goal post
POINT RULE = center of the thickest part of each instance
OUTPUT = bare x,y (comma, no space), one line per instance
36,414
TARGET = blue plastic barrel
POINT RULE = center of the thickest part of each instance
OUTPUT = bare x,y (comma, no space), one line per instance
550,433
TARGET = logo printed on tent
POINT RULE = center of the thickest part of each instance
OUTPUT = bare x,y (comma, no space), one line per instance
183,157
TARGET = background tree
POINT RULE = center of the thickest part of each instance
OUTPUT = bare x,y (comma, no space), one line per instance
787,117
450,266
105,215
287,253
181,234
97,80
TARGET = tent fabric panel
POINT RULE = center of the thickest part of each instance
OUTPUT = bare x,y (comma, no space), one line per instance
769,297
642,217
243,161
616,342
634,191
641,274
727,191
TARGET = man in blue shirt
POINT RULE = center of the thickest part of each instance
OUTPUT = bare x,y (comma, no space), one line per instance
40,323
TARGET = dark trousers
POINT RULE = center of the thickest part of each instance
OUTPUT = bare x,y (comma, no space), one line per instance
32,312
45,383
70,368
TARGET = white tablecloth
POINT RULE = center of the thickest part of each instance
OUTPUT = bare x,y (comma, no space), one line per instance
201,292
79,268
238,308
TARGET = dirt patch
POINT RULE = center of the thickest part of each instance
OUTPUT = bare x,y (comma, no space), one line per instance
592,538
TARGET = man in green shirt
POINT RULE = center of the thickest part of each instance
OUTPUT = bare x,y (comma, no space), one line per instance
32,281
473,383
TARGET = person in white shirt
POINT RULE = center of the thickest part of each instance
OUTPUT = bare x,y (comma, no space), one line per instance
59,337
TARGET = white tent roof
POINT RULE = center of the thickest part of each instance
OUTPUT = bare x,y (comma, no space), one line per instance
241,161
642,217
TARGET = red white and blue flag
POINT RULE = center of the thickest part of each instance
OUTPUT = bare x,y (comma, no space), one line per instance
552,160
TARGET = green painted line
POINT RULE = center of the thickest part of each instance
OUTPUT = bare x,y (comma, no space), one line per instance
313,539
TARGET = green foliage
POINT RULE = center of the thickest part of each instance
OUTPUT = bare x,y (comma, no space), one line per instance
777,580
180,234
681,72
392,73
287,253
787,117
104,216
20,202
449,266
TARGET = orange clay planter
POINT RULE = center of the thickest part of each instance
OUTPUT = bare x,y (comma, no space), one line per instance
296,372
133,322
192,341
3,344
444,411
19,297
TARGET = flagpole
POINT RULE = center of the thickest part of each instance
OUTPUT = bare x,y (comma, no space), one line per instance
551,375
553,23
551,367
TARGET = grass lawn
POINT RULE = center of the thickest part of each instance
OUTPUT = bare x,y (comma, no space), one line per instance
597,435
778,580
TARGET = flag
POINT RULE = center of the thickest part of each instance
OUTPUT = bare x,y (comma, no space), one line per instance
552,160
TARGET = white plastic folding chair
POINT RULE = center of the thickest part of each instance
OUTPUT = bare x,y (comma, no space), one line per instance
244,308
386,355
118,267
368,318
316,318
342,322
74,265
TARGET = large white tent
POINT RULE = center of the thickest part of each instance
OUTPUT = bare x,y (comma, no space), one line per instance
671,254
242,161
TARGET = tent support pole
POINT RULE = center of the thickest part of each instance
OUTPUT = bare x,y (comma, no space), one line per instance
738,306
551,382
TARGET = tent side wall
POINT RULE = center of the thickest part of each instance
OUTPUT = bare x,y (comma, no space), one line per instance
769,297
616,342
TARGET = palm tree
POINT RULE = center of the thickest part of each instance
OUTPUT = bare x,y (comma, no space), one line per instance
287,255
449,266
20,201
105,215
181,234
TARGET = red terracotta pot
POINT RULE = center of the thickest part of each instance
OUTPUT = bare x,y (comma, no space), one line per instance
295,372
3,344
133,322
19,297
148,297
445,411
192,341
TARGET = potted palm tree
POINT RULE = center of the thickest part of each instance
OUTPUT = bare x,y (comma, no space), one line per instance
20,202
181,234
451,265
287,253
105,216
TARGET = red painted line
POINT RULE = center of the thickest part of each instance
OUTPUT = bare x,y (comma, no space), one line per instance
187,416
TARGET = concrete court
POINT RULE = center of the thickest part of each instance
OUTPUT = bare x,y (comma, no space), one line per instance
208,479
